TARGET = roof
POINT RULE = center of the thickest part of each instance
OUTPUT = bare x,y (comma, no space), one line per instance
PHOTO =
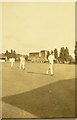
43,50
34,53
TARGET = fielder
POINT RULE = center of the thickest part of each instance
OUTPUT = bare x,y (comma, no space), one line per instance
51,61
22,62
12,60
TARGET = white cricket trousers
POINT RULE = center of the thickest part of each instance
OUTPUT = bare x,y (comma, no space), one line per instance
22,65
12,64
50,68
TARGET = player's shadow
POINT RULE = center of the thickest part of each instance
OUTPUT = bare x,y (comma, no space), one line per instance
37,73
51,101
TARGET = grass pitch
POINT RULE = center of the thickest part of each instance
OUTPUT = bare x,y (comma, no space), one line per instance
30,93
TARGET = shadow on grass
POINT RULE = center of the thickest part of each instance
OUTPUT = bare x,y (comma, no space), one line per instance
50,101
37,73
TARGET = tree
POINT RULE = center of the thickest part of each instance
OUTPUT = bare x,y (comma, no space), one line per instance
62,55
56,54
14,54
66,54
75,52
11,54
7,54
48,53
71,59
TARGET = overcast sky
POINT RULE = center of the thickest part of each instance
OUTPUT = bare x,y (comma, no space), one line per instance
29,27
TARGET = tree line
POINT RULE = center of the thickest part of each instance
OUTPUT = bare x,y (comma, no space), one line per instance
75,52
13,54
62,57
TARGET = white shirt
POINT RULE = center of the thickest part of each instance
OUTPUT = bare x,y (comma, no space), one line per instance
51,58
22,60
12,60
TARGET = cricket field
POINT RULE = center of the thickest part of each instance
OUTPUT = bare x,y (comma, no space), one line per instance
30,93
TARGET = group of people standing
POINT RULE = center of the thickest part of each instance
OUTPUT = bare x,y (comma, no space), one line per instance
22,63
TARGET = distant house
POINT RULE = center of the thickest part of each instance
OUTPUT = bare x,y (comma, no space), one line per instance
3,58
44,55
34,56
38,56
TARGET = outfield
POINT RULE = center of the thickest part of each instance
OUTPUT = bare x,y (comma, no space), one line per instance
30,93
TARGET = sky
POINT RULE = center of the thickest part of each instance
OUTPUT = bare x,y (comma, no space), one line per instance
29,27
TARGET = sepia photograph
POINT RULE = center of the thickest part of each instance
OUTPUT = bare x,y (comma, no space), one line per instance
38,58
